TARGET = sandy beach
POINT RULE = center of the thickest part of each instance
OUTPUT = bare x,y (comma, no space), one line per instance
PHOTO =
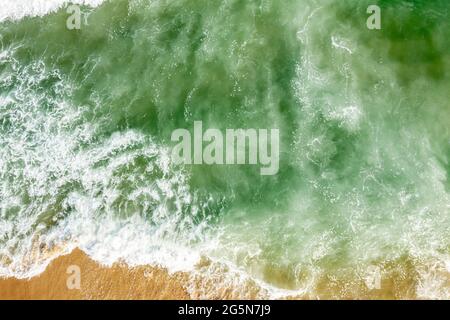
97,282
121,282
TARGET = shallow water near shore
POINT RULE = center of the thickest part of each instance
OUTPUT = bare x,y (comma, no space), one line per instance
362,190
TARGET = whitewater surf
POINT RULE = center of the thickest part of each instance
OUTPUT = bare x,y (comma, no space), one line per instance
358,205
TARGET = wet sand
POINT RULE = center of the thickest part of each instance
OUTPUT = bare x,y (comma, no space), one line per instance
96,282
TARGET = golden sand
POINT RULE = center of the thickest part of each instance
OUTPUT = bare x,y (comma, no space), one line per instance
97,282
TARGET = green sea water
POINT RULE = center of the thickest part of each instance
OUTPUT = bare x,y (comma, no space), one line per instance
86,118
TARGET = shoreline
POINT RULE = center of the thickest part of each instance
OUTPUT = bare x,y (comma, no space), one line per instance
122,282
97,282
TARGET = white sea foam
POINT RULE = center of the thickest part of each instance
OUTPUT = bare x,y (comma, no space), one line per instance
42,156
117,197
17,9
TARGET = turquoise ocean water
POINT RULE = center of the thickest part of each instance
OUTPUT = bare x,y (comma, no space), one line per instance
363,187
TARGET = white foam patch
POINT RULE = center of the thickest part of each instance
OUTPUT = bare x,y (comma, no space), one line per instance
18,9
433,278
220,279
